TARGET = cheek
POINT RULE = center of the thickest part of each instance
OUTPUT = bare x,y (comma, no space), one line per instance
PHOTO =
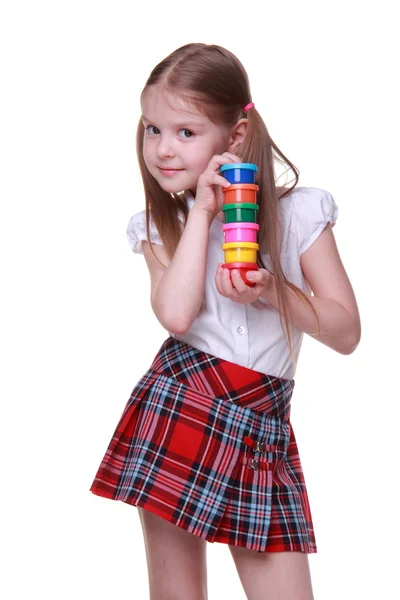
195,157
224,143
203,153
219,146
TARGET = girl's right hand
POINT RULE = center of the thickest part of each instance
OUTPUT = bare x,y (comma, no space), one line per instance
209,196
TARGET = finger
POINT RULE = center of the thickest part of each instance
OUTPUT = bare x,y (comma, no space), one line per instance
212,178
220,197
261,276
233,157
238,282
218,280
227,287
218,160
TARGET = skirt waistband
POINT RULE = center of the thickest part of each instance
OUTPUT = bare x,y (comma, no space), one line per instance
223,379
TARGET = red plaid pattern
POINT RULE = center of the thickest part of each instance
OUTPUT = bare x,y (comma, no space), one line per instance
208,445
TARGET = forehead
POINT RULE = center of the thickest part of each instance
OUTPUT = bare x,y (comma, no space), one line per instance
157,102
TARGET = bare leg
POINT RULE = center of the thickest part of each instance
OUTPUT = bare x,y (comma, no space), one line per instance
176,560
273,575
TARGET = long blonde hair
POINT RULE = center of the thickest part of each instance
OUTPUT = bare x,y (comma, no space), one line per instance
214,80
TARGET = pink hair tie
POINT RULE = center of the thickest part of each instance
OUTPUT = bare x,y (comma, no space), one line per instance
248,107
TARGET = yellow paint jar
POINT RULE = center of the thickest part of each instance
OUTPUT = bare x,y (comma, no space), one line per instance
240,252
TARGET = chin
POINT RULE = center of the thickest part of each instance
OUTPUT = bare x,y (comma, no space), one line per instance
174,187
171,189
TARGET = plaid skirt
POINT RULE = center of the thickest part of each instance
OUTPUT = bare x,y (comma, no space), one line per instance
208,445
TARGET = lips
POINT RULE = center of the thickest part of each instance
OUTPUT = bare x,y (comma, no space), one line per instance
168,172
169,169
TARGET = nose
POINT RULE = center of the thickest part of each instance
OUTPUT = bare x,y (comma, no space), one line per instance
165,147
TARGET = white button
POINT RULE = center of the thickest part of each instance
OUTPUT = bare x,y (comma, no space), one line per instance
241,330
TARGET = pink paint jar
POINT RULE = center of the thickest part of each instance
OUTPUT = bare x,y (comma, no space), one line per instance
240,232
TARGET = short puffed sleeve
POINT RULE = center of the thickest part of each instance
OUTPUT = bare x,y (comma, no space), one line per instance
136,232
314,209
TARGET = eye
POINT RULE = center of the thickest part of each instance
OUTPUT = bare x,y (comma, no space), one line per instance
151,130
186,133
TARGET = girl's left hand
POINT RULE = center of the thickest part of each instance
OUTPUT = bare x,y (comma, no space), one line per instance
237,290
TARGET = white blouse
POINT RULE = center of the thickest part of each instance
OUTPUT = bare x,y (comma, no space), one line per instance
251,334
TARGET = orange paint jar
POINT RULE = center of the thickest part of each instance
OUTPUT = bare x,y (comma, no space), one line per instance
241,192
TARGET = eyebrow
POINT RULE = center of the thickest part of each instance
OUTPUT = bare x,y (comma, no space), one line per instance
183,124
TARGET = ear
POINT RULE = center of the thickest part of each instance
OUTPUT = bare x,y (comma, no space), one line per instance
238,134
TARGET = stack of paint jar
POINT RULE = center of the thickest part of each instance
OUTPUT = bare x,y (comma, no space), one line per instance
240,218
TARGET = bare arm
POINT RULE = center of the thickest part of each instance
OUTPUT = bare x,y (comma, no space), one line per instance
333,299
177,292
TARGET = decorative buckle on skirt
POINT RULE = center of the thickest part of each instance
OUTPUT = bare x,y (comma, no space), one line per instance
257,464
259,446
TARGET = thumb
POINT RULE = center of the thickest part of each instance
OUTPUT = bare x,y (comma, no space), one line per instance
260,276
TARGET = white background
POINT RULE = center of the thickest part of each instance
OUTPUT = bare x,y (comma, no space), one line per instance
77,330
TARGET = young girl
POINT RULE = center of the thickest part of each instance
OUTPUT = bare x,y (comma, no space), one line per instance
205,448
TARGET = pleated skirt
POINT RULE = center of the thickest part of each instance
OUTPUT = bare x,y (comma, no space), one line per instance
208,445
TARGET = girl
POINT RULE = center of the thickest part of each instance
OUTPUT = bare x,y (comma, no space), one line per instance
205,448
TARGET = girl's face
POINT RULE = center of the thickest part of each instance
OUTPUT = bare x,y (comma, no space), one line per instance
179,141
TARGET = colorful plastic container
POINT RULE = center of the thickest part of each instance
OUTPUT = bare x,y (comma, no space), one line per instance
240,212
240,232
241,192
239,172
240,252
243,268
